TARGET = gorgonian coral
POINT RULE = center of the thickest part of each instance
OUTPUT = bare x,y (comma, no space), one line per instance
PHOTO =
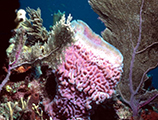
132,27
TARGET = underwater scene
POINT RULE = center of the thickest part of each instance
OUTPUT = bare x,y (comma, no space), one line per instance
79,60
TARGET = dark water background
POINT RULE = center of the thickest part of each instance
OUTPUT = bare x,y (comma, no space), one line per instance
79,9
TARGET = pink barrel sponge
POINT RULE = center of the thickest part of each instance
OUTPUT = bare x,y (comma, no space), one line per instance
92,65
88,76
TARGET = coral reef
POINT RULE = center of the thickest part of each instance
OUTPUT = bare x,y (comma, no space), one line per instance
69,71
84,68
27,57
22,101
132,28
50,52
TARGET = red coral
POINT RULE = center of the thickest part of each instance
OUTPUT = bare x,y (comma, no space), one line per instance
87,77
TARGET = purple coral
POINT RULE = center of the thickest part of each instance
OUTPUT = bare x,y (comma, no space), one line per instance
87,77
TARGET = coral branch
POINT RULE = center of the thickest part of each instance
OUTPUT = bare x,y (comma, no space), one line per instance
19,49
146,102
6,79
134,51
149,46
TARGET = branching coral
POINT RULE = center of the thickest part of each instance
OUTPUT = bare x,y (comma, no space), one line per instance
9,109
35,30
18,110
132,27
